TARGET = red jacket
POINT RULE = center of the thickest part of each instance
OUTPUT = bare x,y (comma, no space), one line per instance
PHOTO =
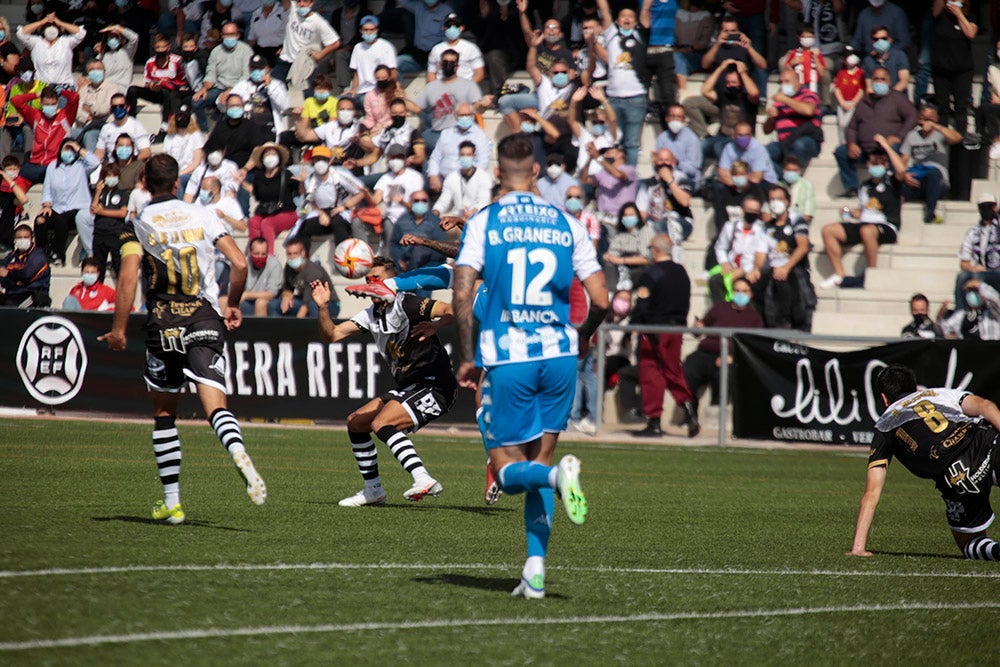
49,132
99,297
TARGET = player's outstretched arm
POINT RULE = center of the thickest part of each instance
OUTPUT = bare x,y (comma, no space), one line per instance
462,287
128,280
977,406
866,512
237,280
328,331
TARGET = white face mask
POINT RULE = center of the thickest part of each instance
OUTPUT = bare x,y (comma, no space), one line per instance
215,158
675,126
345,117
22,244
321,167
51,33
13,173
853,60
807,42
271,161
396,164
777,206
554,171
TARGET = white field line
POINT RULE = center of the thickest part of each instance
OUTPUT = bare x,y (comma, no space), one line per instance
215,633
236,567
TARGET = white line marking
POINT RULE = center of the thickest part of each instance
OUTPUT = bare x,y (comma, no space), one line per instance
236,567
208,633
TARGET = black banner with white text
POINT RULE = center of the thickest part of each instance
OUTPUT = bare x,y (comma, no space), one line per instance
276,368
786,391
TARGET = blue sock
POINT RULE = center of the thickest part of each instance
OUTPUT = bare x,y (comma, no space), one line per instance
525,476
539,506
426,278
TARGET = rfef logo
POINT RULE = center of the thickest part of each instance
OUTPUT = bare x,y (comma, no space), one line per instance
51,360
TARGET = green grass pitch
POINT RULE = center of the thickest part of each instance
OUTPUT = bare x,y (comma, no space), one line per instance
688,556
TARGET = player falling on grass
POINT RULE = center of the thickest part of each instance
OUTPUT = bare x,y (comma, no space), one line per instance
423,279
527,252
405,332
947,435
185,329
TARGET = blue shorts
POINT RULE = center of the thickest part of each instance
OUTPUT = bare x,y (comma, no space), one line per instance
521,401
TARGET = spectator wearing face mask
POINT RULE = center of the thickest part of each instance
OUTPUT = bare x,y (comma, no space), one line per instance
119,123
800,189
266,29
683,144
341,135
810,64
308,33
228,64
729,96
428,20
600,129
553,87
50,126
921,326
393,191
616,183
746,149
216,164
264,278
52,53
470,57
398,133
265,99
368,56
90,294
331,194
785,294
215,16
444,159
554,184
466,191
980,319
849,89
439,99
881,13
274,189
378,101
184,143
238,135
65,193
979,254
419,221
925,150
95,104
24,273
576,206
665,200
893,60
295,298
13,198
740,251
117,50
109,208
164,84
628,252
794,116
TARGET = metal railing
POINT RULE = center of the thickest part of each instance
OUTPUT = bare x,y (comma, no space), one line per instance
725,336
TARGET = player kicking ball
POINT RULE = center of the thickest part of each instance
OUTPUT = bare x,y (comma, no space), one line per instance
405,332
527,253
185,329
947,435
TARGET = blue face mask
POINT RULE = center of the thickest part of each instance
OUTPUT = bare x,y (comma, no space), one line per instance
234,112
119,112
205,196
321,96
96,75
430,3
788,90
369,36
741,300
122,3
881,45
598,129
626,32
876,171
302,12
464,122
89,279
880,88
420,208
68,157
630,221
740,181
560,79
791,177
256,75
574,205
3,35
50,110
452,32
528,128
466,162
123,152
295,263
230,42
973,300
114,43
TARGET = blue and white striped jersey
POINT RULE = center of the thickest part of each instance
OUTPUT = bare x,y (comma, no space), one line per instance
527,252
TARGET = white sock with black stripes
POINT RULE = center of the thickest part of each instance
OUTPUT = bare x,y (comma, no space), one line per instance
167,449
982,548
228,430
403,450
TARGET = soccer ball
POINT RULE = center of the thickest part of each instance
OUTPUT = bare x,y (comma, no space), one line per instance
353,258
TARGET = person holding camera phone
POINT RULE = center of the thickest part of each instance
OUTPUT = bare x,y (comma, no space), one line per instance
732,44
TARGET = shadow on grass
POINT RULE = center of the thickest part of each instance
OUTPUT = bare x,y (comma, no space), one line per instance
913,554
190,522
498,584
430,505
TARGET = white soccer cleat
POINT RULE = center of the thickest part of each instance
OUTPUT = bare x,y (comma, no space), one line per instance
370,495
533,590
568,481
256,488
425,487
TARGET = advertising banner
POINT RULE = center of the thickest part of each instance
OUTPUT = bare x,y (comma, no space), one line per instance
276,368
786,391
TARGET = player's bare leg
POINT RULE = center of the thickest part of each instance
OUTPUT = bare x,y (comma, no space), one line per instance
167,449
227,428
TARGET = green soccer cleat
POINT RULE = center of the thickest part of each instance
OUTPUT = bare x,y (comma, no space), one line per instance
172,515
568,482
532,590
255,484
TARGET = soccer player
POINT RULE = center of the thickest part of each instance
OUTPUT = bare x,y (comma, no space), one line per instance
185,329
405,334
947,435
527,252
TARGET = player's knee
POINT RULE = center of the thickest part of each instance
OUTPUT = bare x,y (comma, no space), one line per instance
358,423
